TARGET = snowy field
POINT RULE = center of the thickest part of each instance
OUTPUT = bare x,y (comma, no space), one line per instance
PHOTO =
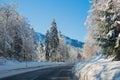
98,69
9,68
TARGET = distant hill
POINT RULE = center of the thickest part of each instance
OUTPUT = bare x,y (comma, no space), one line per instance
72,42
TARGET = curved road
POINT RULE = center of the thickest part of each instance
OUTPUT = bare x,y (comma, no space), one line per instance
61,72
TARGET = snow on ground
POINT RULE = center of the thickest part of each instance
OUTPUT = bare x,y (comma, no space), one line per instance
98,69
16,65
9,67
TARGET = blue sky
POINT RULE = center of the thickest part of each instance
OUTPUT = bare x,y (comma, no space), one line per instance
70,15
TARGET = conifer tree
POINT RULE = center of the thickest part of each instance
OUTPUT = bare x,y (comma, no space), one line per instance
103,26
47,50
53,40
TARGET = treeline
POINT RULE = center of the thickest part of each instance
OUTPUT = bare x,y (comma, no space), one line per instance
16,34
56,49
17,40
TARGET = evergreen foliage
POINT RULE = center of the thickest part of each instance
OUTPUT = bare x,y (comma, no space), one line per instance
52,42
104,26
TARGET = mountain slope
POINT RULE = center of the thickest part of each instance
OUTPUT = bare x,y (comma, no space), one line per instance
72,42
39,37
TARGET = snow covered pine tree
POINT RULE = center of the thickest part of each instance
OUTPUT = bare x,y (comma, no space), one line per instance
47,50
105,26
52,42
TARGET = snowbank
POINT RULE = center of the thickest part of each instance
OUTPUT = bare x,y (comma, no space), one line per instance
12,67
98,69
13,64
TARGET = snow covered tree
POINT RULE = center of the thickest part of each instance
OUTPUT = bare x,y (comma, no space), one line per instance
53,40
17,45
5,13
40,52
66,52
62,50
103,27
47,49
56,49
15,33
29,43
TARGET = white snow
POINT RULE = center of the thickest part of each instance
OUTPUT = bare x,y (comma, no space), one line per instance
16,65
9,68
98,69
111,33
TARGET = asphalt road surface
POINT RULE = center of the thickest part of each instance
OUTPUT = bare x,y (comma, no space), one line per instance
53,73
